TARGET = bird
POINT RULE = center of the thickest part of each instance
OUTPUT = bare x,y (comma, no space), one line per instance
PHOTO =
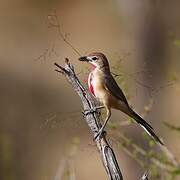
103,86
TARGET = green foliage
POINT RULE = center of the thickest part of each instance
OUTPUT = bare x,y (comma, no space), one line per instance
151,143
161,163
176,42
154,171
112,125
174,76
176,172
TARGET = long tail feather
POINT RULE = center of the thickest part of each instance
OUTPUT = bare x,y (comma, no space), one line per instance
147,127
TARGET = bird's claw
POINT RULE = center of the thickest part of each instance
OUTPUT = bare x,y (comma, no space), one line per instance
92,110
99,134
89,111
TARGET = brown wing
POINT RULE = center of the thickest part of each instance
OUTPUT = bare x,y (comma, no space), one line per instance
114,89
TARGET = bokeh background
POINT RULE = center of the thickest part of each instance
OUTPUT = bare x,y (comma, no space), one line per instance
40,115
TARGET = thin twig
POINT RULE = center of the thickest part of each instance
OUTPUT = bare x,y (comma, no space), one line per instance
54,22
167,166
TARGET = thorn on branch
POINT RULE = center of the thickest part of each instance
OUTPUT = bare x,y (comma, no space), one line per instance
67,61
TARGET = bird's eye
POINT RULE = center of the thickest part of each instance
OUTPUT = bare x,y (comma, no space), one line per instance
94,58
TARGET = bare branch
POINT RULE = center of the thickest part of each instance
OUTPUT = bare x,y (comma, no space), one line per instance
93,121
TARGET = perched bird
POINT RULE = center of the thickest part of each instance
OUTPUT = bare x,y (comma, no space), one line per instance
103,86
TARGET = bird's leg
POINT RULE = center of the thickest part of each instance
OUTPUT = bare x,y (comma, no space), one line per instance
104,125
92,110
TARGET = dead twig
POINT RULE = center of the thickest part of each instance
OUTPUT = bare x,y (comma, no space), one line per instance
54,22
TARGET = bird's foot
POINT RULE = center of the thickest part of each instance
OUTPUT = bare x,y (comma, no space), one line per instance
92,110
99,134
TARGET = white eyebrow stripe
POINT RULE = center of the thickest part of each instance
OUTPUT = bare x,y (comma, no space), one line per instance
89,58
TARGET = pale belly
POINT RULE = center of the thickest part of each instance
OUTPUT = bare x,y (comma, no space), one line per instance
97,86
104,96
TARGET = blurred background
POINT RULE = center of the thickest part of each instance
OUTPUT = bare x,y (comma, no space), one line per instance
41,128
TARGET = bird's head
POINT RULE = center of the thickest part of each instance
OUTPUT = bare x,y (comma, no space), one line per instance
97,59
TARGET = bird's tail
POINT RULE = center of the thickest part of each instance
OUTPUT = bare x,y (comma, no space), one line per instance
147,127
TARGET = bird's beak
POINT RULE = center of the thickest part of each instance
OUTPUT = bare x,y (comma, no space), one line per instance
83,58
